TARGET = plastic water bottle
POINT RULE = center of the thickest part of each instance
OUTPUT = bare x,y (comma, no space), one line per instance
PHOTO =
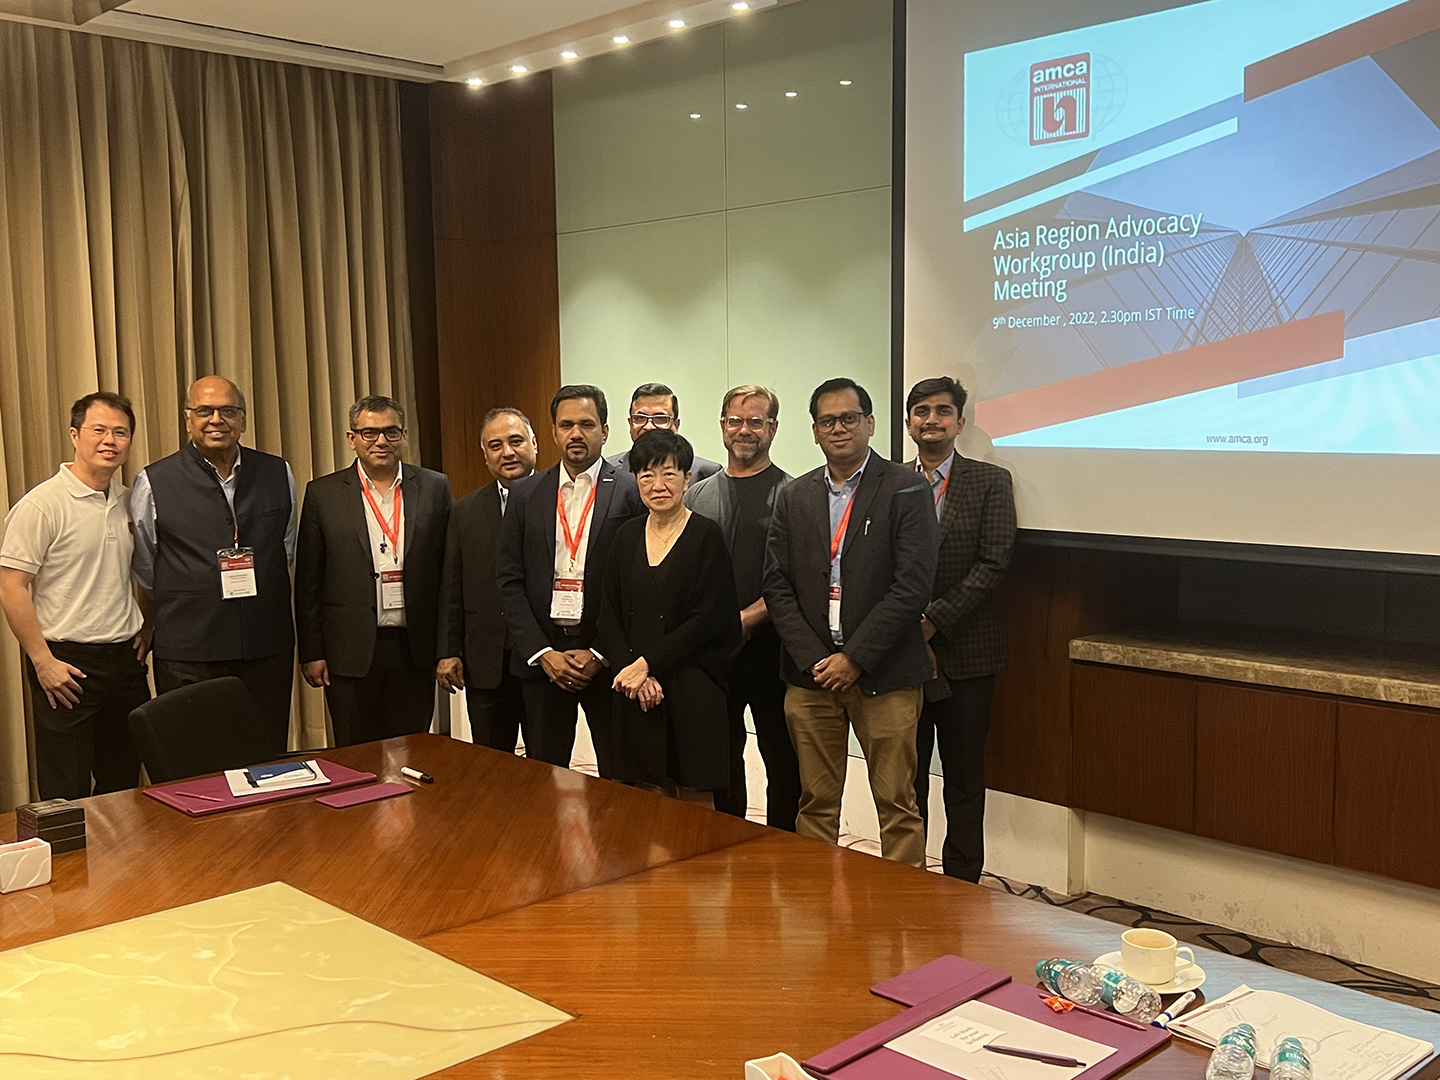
1234,1056
1128,996
1289,1061
1071,979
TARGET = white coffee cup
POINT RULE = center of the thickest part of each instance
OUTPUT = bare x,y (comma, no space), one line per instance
1152,956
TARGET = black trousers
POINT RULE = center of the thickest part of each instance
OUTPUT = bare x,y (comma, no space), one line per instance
495,714
393,698
550,720
93,738
755,681
269,679
960,723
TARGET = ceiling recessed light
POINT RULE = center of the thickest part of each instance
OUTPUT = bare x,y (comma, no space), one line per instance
694,116
519,69
676,24
620,39
844,82
740,5
474,80
741,105
791,93
568,54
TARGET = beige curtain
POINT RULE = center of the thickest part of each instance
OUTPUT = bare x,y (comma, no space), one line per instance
167,214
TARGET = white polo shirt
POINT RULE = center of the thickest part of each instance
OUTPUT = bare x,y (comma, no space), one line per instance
77,542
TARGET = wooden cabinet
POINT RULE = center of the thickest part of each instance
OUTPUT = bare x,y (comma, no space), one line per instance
1387,791
1265,768
1133,744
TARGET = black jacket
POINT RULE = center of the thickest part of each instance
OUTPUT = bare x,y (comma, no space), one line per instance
472,616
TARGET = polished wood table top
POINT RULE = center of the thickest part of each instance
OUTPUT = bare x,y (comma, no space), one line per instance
683,941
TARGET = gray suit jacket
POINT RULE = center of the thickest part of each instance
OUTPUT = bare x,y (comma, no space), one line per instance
887,564
701,468
977,533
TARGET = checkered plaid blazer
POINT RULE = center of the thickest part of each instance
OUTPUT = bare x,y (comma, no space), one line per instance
977,533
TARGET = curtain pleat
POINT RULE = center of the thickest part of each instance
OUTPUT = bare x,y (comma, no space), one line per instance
166,214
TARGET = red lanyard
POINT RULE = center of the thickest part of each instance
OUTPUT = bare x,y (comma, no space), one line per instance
944,484
572,541
391,532
839,537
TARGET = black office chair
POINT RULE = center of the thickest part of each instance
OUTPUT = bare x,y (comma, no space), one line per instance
206,727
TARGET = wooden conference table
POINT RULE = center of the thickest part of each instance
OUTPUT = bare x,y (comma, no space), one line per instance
685,942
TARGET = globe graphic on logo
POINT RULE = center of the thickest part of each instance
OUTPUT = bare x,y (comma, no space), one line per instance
1108,90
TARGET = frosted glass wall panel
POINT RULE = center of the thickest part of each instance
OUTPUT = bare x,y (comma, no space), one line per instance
626,148
646,303
828,137
809,285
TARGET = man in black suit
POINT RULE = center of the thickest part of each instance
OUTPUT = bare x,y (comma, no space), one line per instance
655,407
848,567
975,506
558,530
367,581
473,638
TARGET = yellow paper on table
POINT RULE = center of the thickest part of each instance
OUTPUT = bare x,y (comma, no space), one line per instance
269,982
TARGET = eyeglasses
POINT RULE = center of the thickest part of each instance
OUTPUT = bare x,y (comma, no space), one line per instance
658,420
205,412
372,434
849,421
120,434
754,423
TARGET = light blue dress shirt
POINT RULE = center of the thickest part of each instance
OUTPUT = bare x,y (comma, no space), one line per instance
839,499
939,482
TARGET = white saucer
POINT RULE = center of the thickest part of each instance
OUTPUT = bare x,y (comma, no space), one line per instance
1187,978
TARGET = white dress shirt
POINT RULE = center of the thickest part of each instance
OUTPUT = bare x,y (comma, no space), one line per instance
393,557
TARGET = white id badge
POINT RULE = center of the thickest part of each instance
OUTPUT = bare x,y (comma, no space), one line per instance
237,573
835,609
567,599
392,590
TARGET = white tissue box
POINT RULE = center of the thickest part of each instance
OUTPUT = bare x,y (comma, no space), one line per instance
24,865
776,1067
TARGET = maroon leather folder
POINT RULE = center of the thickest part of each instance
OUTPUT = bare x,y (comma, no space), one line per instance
184,794
937,987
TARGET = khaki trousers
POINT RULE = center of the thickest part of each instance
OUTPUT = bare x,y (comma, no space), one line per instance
820,722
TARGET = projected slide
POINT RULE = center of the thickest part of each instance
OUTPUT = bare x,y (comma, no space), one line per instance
1215,227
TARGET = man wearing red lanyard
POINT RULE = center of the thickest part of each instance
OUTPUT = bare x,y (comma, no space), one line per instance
848,566
557,535
975,507
367,581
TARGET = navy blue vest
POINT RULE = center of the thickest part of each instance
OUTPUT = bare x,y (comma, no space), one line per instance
192,523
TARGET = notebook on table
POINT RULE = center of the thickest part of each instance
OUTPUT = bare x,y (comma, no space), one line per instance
212,795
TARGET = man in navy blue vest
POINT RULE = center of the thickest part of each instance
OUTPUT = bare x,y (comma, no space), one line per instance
214,542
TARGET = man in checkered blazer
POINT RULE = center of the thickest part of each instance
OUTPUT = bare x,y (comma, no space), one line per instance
975,506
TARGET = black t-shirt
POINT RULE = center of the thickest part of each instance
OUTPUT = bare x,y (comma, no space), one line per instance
752,523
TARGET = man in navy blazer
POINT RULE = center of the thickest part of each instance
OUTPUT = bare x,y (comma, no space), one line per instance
558,530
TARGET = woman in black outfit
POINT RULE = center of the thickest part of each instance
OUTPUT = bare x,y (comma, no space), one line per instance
670,629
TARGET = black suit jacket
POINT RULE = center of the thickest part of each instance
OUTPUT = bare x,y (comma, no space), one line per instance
335,606
526,567
472,616
887,564
977,533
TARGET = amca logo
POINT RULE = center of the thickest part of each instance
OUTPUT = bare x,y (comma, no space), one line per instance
1060,99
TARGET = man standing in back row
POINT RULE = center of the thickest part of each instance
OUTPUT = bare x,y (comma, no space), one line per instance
847,575
975,507
214,541
367,581
742,500
655,407
559,527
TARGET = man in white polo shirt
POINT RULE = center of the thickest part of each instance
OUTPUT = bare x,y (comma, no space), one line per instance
66,588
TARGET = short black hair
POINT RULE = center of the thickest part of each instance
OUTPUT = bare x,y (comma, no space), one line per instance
506,410
657,446
81,408
833,386
930,387
657,389
376,403
576,391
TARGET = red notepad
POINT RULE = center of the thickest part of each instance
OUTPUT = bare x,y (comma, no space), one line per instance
939,986
182,794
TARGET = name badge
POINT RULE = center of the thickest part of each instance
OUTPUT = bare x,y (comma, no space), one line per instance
237,573
392,590
567,599
835,609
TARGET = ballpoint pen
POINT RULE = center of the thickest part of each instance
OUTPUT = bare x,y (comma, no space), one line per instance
1179,1006
1035,1055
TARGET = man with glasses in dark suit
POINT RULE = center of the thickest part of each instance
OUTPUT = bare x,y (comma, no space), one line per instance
848,570
975,508
655,407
